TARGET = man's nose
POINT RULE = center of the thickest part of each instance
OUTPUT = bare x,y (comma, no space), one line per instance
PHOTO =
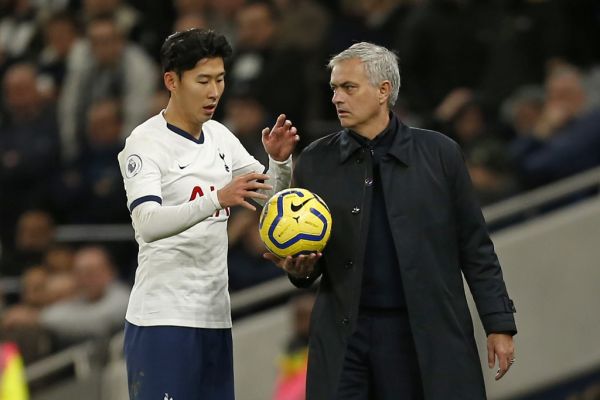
336,98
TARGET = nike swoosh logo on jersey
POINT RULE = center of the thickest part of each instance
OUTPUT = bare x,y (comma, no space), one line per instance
182,167
298,207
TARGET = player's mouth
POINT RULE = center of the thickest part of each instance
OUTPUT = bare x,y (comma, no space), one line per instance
210,109
342,113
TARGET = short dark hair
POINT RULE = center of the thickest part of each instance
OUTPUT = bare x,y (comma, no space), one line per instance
182,50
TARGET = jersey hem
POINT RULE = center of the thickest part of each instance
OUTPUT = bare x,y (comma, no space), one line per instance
179,322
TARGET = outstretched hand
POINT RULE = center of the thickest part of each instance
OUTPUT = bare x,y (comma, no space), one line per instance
280,141
299,267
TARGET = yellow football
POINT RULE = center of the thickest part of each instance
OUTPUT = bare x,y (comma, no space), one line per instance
295,221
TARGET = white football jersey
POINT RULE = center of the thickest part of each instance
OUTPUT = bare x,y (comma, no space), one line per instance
181,280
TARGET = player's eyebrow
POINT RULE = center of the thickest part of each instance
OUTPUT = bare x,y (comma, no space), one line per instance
219,75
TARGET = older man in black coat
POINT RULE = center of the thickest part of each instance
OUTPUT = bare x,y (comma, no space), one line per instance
391,319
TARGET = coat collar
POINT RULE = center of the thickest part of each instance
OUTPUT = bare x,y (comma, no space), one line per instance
400,148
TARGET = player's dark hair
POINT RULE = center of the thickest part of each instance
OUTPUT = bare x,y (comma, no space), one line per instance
182,50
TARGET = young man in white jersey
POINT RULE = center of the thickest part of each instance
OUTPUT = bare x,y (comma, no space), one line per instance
182,173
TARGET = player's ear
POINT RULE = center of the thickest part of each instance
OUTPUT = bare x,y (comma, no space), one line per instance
171,80
385,89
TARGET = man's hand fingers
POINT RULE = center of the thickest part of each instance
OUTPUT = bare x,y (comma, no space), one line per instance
258,185
300,263
255,195
280,121
247,205
500,373
254,176
276,260
491,355
504,365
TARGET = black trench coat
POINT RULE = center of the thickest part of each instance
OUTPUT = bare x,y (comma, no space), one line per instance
438,231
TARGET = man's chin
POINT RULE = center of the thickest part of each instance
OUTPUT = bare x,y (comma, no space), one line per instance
344,122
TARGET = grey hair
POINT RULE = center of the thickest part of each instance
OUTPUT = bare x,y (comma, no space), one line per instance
380,65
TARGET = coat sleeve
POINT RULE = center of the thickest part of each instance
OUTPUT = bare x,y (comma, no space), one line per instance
478,259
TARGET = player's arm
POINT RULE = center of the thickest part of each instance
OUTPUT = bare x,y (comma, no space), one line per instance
140,163
140,166
154,221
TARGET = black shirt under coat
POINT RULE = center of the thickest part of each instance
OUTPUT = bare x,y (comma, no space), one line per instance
381,281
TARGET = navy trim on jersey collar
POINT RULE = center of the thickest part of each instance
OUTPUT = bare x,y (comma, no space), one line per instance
144,199
185,134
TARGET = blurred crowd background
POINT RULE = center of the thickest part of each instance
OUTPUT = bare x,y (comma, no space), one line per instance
515,82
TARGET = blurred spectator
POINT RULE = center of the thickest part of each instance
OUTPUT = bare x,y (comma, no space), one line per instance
96,311
39,289
59,258
245,115
490,171
566,138
385,20
33,288
127,18
99,308
296,15
35,234
592,83
28,147
189,21
462,116
60,35
531,35
105,66
60,286
157,17
592,392
159,102
246,265
260,67
187,7
18,32
291,381
445,46
13,382
91,189
222,17
522,110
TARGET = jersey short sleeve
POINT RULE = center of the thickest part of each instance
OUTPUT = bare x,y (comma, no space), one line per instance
140,166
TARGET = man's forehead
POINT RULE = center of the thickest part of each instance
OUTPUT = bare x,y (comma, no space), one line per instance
347,70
